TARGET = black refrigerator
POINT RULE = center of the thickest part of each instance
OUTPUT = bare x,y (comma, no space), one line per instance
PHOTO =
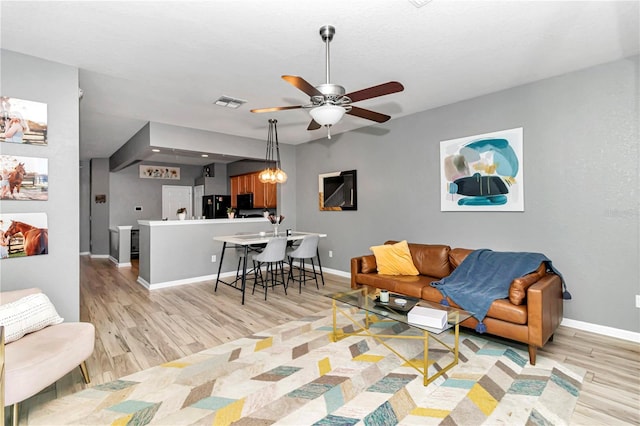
215,206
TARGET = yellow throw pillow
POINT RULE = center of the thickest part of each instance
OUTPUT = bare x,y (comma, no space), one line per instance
394,259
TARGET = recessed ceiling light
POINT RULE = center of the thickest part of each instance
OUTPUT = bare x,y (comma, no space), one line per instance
229,102
155,150
204,155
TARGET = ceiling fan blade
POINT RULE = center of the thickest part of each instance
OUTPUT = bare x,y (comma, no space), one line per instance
313,125
368,114
375,91
302,84
273,109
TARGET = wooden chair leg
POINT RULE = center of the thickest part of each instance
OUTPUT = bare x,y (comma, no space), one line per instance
532,354
85,372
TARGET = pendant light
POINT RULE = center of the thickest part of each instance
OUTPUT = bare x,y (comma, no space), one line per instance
269,174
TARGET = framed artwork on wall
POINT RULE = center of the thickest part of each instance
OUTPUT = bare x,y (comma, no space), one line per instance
24,178
23,234
23,121
159,172
482,172
338,191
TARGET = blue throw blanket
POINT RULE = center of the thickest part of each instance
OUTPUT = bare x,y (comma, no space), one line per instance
485,276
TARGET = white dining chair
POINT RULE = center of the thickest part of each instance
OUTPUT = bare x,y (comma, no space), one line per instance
307,250
273,256
240,250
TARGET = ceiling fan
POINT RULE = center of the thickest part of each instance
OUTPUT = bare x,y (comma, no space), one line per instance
329,102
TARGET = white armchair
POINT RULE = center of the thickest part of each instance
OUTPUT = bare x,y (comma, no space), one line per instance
40,358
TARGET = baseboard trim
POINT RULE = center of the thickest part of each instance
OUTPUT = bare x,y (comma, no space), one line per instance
99,256
118,264
337,272
602,329
175,283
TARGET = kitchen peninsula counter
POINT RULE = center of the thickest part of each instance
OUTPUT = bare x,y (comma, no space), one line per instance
175,252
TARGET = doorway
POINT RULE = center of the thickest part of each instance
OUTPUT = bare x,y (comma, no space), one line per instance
175,197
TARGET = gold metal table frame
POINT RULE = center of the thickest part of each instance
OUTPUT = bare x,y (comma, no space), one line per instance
362,300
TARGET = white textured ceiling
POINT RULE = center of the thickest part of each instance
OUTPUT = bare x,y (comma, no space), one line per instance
167,61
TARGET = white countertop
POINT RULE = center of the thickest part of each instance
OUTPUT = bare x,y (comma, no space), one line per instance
203,221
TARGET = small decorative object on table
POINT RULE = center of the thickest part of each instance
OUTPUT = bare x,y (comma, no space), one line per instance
182,213
275,221
231,213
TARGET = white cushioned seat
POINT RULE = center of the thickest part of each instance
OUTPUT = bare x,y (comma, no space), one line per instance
41,358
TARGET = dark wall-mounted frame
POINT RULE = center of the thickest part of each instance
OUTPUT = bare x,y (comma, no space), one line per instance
338,191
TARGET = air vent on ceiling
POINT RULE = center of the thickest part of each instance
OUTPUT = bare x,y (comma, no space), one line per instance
419,3
229,102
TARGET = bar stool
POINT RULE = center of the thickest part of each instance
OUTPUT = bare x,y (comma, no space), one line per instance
240,253
273,255
308,249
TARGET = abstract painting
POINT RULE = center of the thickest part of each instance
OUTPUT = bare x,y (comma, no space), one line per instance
23,121
338,191
23,234
483,172
24,178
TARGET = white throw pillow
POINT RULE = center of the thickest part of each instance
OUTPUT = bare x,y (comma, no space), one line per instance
26,315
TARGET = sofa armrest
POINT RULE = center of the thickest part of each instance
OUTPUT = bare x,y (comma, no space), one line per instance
356,267
362,265
544,307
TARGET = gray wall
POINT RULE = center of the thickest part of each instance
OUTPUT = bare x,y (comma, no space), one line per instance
85,206
99,239
128,191
56,273
581,170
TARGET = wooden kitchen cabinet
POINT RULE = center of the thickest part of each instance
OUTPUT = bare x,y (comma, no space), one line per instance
264,194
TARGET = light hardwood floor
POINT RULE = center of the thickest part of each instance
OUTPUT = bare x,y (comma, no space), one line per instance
137,329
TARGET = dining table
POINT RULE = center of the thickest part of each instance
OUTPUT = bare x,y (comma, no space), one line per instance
247,242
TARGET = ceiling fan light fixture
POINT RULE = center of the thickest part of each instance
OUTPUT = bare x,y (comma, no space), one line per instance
327,115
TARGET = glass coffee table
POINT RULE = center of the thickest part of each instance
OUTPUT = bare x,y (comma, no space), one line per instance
375,311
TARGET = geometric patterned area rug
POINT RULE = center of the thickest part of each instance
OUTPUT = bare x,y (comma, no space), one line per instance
294,374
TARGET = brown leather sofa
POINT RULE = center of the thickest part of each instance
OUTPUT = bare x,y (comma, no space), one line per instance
530,315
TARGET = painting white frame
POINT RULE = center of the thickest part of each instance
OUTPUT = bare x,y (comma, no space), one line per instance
475,172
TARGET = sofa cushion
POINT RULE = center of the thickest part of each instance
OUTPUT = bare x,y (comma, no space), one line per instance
519,286
457,255
500,309
26,315
408,285
369,264
430,259
394,259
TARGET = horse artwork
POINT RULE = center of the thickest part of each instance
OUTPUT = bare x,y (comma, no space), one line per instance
35,241
15,178
24,178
